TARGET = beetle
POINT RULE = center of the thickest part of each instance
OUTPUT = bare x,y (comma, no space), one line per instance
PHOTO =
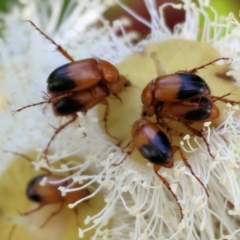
183,97
80,75
70,103
195,110
199,109
79,101
178,87
78,86
49,193
43,189
154,146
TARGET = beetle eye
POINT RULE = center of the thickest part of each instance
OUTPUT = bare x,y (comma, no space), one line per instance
127,83
144,114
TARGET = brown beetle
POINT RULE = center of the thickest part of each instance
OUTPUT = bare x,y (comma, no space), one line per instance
82,74
44,189
49,192
155,146
80,85
195,110
69,104
183,97
178,87
200,109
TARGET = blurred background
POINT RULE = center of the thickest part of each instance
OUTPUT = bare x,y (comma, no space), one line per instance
173,16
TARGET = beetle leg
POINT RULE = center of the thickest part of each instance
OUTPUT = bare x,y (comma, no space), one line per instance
223,99
93,92
27,158
75,210
116,96
166,183
74,117
131,147
105,102
169,130
59,47
33,210
127,146
194,70
53,214
199,134
193,130
176,148
19,154
189,103
11,232
49,100
30,105
117,164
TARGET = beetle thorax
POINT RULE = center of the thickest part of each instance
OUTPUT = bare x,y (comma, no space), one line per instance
110,72
148,99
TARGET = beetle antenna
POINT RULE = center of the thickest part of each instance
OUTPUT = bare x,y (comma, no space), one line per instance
194,70
59,47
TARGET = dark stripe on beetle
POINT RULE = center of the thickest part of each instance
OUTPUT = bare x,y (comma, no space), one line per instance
158,150
30,189
192,86
202,112
58,81
198,114
67,106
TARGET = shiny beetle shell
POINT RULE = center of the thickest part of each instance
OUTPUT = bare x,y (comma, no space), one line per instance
196,110
81,75
49,192
152,143
176,87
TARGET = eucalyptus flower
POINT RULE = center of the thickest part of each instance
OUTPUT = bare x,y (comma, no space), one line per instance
136,203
